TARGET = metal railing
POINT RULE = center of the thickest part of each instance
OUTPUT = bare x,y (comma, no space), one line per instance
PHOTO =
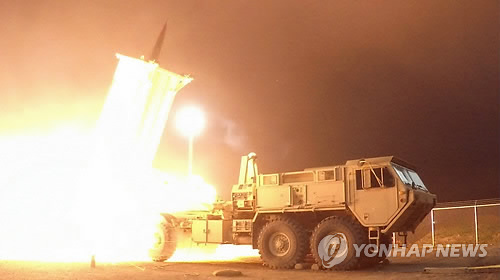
473,221
483,203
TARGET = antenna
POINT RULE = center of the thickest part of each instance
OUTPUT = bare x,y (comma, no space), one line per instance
155,54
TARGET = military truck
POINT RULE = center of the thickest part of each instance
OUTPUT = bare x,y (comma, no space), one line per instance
286,215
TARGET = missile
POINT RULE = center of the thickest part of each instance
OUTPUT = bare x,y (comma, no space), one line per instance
155,53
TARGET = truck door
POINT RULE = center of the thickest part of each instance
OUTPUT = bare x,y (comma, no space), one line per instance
375,197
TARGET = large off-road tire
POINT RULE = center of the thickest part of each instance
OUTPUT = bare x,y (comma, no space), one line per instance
385,240
339,226
282,243
165,242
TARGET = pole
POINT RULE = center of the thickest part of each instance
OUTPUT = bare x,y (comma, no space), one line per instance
432,228
475,221
190,159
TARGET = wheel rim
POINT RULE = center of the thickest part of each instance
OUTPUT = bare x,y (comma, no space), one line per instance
340,253
158,239
279,244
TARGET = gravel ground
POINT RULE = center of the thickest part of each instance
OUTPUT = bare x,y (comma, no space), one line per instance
398,268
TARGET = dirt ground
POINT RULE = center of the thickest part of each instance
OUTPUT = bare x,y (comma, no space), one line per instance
398,268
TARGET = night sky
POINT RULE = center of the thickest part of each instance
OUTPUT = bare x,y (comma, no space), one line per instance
301,83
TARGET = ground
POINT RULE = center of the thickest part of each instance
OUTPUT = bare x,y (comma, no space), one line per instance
398,268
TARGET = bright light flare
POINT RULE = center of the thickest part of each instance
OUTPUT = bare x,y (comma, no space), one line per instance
213,252
56,206
68,193
190,121
37,190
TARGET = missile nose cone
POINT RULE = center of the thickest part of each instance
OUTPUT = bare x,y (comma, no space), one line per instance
155,54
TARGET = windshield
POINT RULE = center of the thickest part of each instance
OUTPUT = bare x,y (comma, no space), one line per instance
409,177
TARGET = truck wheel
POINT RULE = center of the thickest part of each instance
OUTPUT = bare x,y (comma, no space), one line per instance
343,232
165,242
282,243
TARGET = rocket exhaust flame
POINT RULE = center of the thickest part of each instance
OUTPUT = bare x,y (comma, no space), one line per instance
46,214
70,193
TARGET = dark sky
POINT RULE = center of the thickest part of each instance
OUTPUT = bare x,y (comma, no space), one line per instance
301,83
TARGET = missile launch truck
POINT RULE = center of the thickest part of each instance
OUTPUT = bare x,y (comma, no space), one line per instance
286,215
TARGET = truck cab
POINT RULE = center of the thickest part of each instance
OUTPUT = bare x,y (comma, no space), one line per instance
387,192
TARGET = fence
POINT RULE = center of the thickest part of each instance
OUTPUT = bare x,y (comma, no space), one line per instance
461,222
